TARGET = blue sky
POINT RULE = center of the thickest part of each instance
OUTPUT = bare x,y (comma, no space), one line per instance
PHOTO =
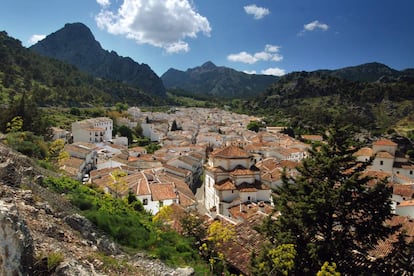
257,36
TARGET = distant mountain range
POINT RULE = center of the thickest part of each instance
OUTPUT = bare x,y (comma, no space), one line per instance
76,45
217,81
368,72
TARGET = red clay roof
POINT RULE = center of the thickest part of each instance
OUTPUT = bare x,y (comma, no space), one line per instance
242,172
384,247
385,155
384,142
225,185
247,240
230,152
162,191
404,190
364,152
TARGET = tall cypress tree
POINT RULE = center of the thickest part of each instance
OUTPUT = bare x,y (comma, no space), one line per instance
329,212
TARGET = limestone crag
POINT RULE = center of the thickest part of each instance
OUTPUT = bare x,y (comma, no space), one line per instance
16,244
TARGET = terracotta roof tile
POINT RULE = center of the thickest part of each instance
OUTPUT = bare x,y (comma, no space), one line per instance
230,152
406,203
384,142
385,155
268,164
403,190
318,138
288,164
384,247
143,187
225,185
241,171
163,191
364,152
246,242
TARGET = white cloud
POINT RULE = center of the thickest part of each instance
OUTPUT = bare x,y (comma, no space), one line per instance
103,3
271,53
161,23
315,25
272,48
250,72
312,26
274,71
242,57
257,12
35,38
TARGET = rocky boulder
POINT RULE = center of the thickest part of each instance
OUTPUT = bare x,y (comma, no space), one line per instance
16,244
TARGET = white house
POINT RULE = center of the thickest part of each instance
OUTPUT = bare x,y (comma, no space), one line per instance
59,133
84,152
231,179
94,130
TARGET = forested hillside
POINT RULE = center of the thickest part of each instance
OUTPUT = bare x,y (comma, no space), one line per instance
51,82
311,101
76,45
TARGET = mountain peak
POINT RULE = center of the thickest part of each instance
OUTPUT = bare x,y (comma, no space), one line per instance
208,65
75,44
218,81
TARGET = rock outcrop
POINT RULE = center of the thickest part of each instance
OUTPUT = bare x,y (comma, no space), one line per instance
40,234
16,244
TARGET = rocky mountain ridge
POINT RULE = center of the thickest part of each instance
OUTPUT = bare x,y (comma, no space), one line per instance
217,81
75,44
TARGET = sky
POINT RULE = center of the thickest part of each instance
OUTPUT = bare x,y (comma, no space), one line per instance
272,37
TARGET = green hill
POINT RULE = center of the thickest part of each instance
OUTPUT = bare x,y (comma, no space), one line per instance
313,100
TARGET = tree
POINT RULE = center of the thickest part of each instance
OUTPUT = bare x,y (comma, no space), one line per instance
174,126
55,149
121,107
152,147
137,130
193,226
253,126
218,234
118,185
126,132
15,125
328,211
328,269
275,261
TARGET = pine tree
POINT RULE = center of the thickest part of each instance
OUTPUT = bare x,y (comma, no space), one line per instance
329,212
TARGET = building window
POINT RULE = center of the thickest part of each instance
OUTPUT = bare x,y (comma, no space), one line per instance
145,201
248,198
411,172
161,203
381,162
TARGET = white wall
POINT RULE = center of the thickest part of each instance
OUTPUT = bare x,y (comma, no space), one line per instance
386,166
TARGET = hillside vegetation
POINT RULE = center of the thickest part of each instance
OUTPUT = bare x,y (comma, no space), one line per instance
49,82
311,101
76,45
217,82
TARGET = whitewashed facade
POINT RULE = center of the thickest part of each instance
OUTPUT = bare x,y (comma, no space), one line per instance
232,179
93,130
